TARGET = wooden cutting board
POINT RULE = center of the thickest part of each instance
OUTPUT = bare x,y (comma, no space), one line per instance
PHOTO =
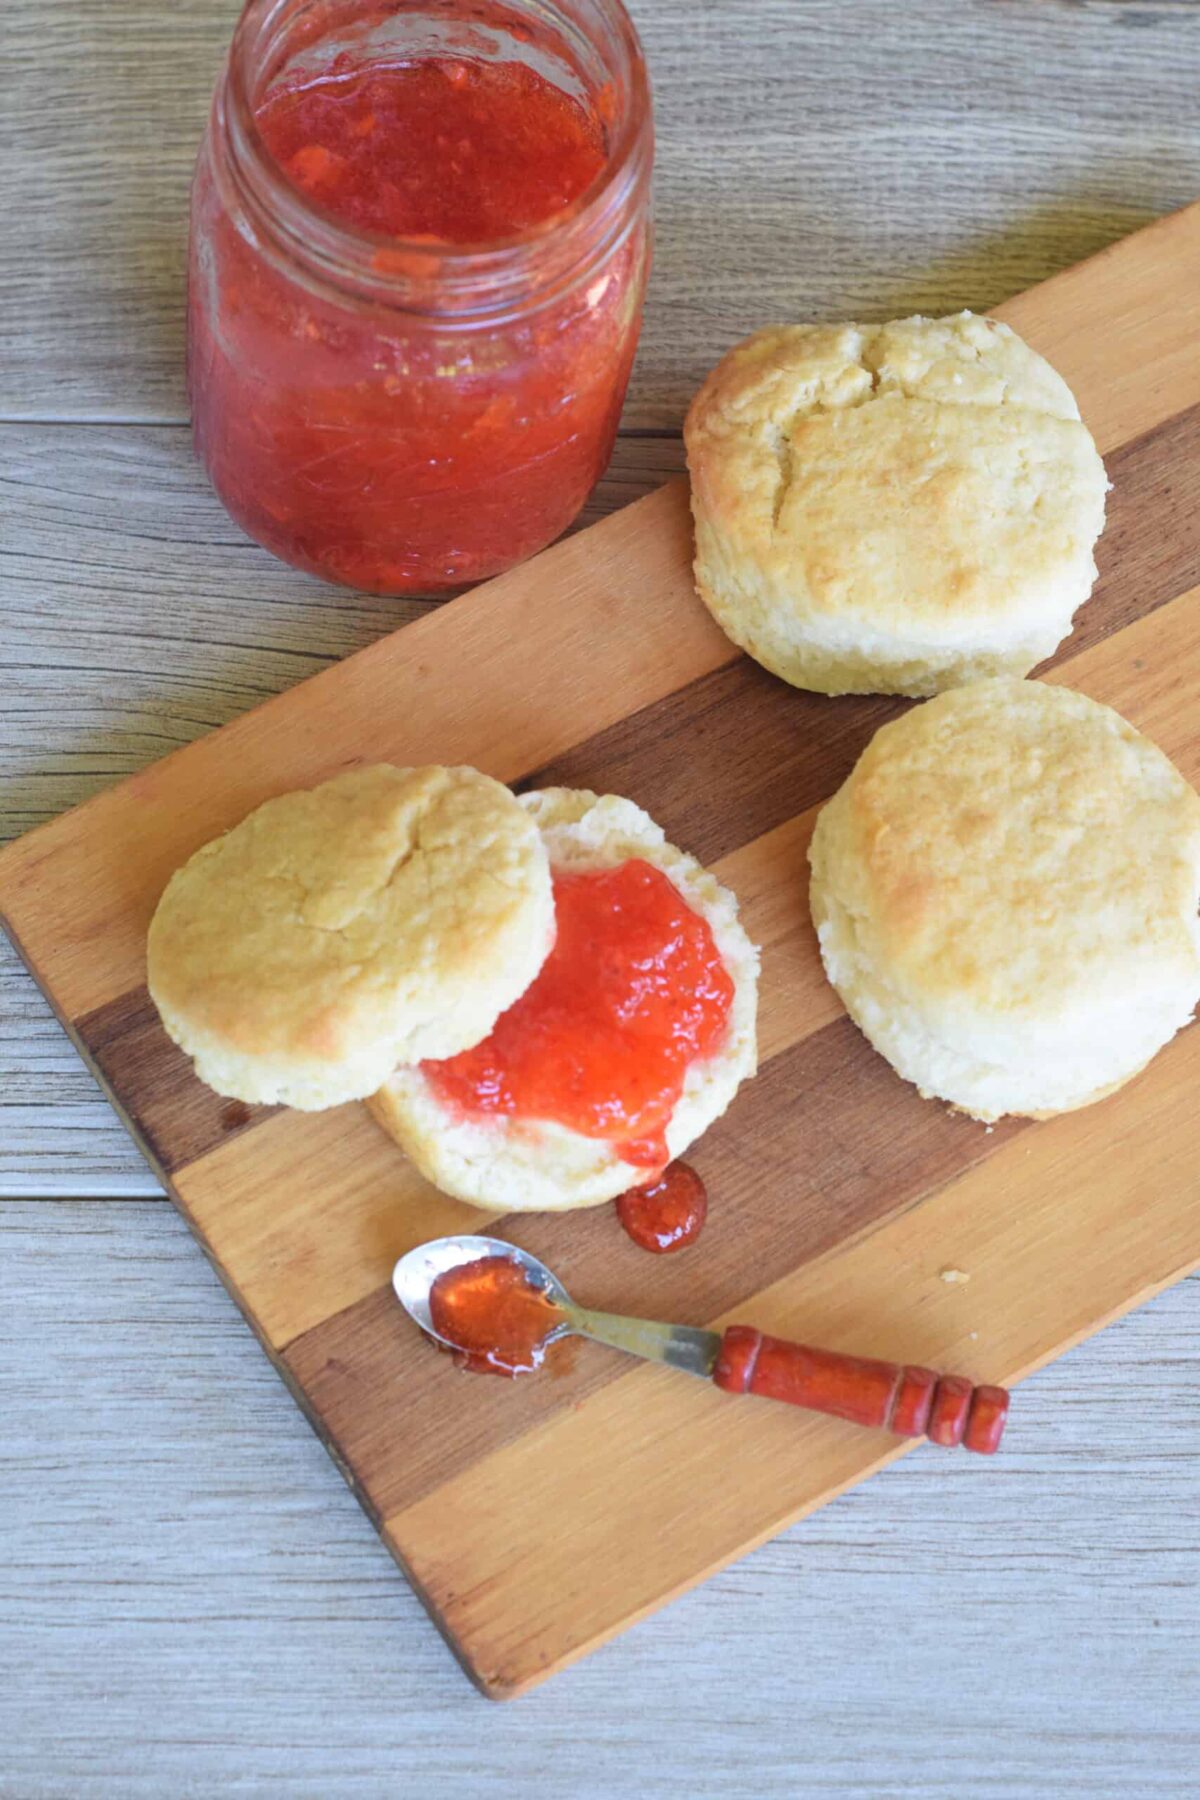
536,1519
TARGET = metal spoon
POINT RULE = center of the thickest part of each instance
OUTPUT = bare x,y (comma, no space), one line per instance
902,1398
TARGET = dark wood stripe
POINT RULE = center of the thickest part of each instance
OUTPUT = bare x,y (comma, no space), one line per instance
1150,551
737,752
726,758
824,1145
177,1118
718,763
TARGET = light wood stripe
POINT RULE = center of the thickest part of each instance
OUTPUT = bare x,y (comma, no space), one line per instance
313,1208
1063,1229
1089,321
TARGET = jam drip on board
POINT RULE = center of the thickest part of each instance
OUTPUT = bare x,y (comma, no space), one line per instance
494,1314
667,1214
633,992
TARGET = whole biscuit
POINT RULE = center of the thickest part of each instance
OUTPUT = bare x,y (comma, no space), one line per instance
1005,893
895,508
387,915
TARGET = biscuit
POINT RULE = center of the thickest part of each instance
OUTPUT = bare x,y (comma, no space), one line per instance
385,916
1005,893
893,508
523,1165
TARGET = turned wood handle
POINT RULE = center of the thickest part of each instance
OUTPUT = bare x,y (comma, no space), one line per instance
913,1402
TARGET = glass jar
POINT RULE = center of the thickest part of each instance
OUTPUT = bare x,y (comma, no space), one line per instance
402,415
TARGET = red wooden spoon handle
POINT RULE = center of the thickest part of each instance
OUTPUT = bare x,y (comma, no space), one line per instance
912,1402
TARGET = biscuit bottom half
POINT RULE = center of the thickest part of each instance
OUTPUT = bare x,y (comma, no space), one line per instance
529,1165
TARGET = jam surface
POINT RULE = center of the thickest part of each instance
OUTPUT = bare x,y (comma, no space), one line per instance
495,1315
457,152
633,992
667,1214
391,447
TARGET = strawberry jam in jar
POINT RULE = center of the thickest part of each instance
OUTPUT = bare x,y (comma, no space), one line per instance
419,243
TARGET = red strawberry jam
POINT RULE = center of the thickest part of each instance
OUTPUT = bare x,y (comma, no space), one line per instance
460,152
422,413
633,992
667,1214
498,1321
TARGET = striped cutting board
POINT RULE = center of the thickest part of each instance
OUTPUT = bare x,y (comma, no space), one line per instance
539,1518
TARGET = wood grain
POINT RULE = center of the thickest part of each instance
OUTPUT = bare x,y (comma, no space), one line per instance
826,1124
1100,1227
116,652
814,160
184,1582
125,580
189,1604
605,590
279,1204
187,643
729,754
832,1174
658,641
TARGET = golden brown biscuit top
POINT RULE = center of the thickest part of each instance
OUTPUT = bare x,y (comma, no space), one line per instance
374,919
787,371
1010,845
897,473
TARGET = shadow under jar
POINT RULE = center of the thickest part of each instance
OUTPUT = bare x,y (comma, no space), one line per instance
419,244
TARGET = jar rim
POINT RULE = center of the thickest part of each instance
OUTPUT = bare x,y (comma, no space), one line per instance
462,280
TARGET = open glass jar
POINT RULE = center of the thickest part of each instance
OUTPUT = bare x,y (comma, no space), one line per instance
407,413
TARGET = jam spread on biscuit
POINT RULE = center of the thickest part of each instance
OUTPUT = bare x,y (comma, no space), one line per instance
632,994
667,1214
498,1319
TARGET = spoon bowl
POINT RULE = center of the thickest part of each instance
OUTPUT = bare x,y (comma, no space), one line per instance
416,1272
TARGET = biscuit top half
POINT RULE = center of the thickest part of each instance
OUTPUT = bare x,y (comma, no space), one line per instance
386,916
919,470
1016,850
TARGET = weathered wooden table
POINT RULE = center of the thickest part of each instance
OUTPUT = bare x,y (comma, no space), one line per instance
190,1603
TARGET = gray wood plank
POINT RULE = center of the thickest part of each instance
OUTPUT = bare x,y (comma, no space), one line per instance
193,1604
816,157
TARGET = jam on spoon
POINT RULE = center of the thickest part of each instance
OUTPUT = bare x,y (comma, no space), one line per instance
500,1321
